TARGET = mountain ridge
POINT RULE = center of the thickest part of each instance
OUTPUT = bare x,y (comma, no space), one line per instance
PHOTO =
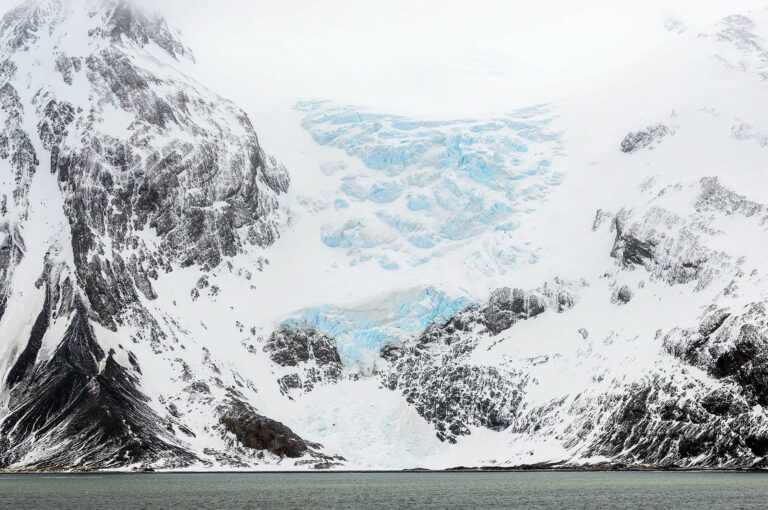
559,286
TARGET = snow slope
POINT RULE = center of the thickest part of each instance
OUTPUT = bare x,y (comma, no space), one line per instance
683,191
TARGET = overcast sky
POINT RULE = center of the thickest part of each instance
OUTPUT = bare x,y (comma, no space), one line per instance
426,56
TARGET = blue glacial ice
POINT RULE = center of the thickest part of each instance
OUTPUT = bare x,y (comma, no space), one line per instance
418,202
361,333
353,189
433,184
350,235
385,192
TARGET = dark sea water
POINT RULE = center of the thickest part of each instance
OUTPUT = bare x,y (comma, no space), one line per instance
527,490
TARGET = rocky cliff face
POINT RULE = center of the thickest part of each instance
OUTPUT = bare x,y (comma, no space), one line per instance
308,356
435,373
709,410
118,167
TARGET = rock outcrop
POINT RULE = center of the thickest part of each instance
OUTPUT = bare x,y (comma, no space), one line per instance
309,357
434,374
120,168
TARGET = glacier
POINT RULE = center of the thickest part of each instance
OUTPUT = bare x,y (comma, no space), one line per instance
361,333
443,182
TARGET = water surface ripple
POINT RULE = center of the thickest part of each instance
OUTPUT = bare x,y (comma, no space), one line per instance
508,490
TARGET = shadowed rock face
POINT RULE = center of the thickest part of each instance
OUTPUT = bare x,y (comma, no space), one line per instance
187,166
656,425
507,306
11,252
86,408
311,356
629,249
27,358
258,432
149,170
433,375
205,201
290,346
622,295
730,347
716,416
652,423
645,138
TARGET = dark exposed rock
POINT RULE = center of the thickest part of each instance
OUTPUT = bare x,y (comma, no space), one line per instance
82,397
622,295
712,323
670,247
459,397
68,66
748,345
206,200
15,144
28,356
291,345
261,433
652,426
646,138
12,250
722,402
433,376
313,355
392,352
506,307
289,382
200,387
716,197
635,408
52,128
600,217
732,347
154,172
629,249
21,25
758,444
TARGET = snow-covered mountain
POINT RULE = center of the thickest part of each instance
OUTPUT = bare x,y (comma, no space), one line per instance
575,283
